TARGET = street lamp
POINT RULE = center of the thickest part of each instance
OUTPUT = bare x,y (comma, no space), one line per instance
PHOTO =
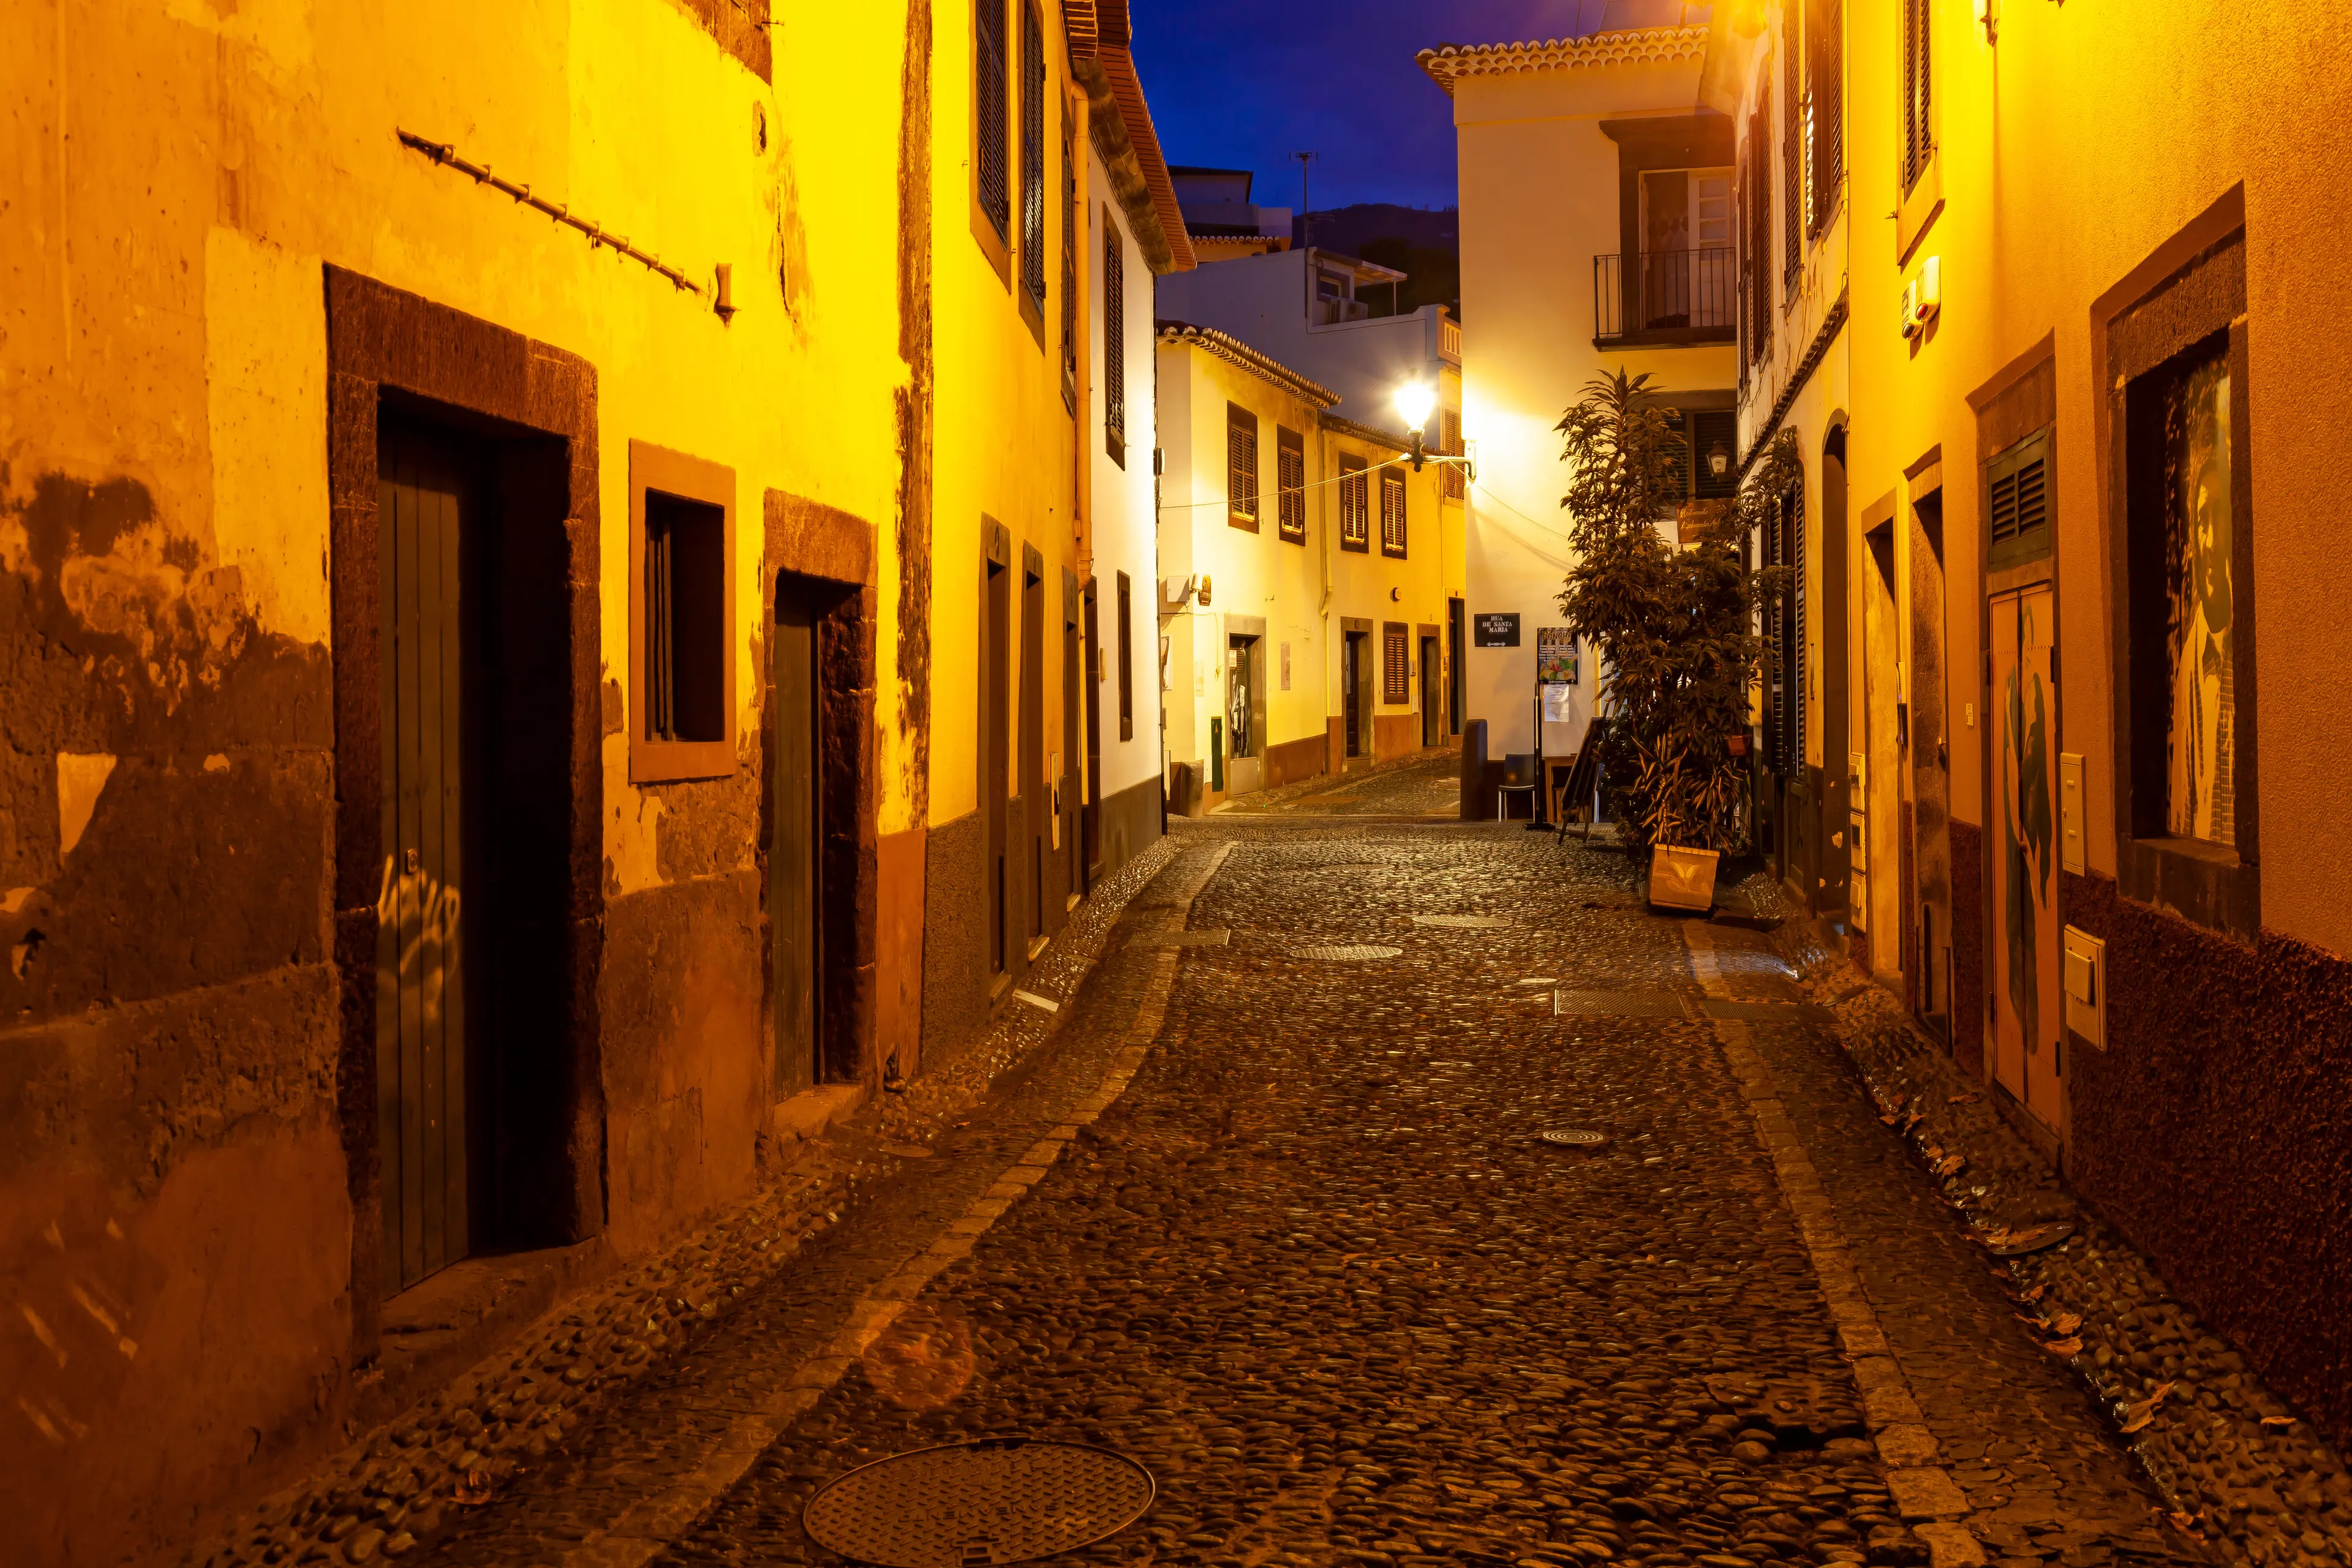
1413,402
1718,461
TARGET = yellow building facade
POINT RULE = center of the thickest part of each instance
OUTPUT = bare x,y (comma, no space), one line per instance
2031,286
499,513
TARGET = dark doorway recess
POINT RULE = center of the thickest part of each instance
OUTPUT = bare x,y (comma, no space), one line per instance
1457,618
1035,800
1351,693
462,567
996,769
1094,667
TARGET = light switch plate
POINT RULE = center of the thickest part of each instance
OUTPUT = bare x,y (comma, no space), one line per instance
2085,988
2070,811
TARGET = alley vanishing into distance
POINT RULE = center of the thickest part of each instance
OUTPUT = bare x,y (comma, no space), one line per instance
1271,1212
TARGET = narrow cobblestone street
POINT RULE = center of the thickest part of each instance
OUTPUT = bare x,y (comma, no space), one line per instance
1317,1270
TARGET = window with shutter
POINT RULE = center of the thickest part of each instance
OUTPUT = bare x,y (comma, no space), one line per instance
1714,431
1456,483
1396,663
1240,466
1069,269
2017,497
1792,155
1290,485
1033,156
1392,513
1126,632
1114,317
992,170
1759,229
1825,110
1355,505
1918,144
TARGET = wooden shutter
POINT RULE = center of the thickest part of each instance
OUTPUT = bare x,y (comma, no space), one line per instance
1069,267
1759,229
1454,482
2017,493
1033,154
1917,59
1793,151
1126,630
993,169
1392,514
1114,315
1290,484
1825,119
1355,505
1240,466
1396,667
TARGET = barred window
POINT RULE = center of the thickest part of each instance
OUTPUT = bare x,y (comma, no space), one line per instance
993,169
1290,485
1396,663
1355,505
1240,466
1392,513
1033,156
1114,316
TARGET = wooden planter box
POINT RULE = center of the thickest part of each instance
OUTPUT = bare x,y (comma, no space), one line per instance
1682,878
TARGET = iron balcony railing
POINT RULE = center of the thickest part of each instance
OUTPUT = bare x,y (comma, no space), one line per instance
1667,296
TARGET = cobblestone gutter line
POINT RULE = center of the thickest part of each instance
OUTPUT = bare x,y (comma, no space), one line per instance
392,1491
2240,1472
1922,1491
638,1536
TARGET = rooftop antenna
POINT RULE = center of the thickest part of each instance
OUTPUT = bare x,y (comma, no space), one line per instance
1306,208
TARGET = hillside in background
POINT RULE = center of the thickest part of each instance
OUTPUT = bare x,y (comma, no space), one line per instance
1419,242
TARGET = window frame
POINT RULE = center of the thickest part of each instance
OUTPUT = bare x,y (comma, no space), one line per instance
1114,316
1396,664
991,228
662,471
1289,494
1394,540
1825,114
1125,633
1241,423
1070,323
1918,146
1031,245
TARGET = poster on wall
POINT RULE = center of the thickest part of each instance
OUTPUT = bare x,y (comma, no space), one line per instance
1556,697
1555,656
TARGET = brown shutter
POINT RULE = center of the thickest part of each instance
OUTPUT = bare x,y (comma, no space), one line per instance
1033,154
1240,466
1396,671
1392,514
1290,484
1114,315
1825,87
1792,152
988,94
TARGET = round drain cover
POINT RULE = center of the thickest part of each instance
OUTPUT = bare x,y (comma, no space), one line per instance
1576,1136
1358,953
1002,1499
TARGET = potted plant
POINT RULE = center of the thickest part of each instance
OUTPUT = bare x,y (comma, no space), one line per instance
1674,626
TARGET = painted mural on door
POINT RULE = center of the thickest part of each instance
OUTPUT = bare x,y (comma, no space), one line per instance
2026,1004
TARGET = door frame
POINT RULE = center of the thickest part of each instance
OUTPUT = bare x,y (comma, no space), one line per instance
380,339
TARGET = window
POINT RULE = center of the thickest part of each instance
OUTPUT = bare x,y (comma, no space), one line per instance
1240,466
1033,156
1452,474
1290,485
681,633
1757,199
1355,506
1392,513
1787,638
1069,269
1114,317
2016,489
1792,153
1824,109
1919,138
1396,663
1125,633
991,169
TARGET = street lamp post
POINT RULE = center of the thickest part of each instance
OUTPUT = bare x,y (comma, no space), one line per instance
1414,401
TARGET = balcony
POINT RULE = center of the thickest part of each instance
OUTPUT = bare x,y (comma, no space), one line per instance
1666,298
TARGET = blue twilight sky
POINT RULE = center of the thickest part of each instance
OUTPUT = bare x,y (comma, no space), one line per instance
1244,83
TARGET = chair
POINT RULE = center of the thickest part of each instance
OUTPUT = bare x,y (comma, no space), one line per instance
1518,778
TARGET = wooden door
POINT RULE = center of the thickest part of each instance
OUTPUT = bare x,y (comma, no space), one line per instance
426,494
1931,788
1096,670
1066,787
996,765
1432,718
1351,693
2025,947
793,867
1873,863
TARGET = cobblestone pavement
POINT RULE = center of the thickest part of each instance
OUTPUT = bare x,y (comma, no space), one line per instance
1416,786
1317,1270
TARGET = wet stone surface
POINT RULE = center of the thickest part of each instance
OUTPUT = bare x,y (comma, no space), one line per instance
1318,1270
1417,787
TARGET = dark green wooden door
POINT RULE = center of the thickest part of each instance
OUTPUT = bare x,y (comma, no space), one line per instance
793,866
423,495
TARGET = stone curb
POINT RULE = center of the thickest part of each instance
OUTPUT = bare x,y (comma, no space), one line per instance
1925,1495
640,1534
387,1493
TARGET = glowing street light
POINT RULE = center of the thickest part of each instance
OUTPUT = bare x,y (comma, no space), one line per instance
1414,401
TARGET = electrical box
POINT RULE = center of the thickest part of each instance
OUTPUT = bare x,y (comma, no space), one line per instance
2087,988
2070,812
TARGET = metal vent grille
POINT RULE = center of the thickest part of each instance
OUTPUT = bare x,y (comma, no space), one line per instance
1618,1004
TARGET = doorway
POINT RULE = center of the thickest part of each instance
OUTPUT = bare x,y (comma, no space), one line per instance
1095,672
795,870
1066,788
1432,707
1033,793
1456,620
2024,716
1351,693
1873,885
469,960
1931,779
1244,764
996,763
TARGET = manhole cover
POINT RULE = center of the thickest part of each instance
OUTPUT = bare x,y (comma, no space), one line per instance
1575,1136
1618,1004
1005,1499
1362,953
1463,922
